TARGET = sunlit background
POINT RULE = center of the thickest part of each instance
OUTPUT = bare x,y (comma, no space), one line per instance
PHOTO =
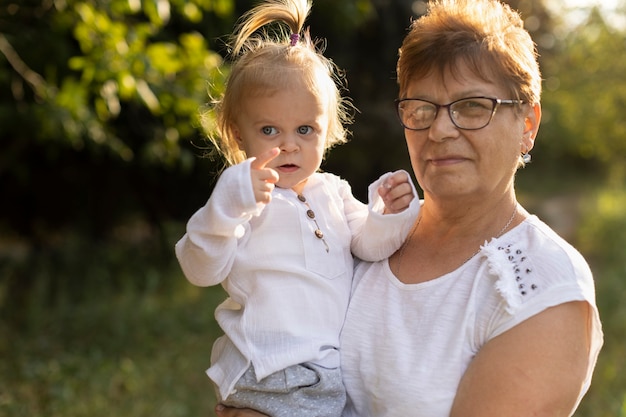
103,159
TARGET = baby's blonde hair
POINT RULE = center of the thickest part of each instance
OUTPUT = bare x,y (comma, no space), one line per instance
270,60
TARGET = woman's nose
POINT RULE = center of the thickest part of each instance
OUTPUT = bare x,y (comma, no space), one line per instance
442,127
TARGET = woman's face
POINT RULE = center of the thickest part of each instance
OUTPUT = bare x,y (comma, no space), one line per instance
450,162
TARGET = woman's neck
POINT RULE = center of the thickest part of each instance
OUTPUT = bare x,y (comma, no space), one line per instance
468,217
447,236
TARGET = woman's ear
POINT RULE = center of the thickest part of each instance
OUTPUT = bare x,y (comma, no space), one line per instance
531,127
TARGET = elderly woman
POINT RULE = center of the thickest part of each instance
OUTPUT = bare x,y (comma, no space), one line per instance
485,311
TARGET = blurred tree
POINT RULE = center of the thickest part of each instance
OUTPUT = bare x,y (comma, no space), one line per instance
96,98
586,97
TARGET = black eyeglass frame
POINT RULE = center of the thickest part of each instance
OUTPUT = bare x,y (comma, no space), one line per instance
496,104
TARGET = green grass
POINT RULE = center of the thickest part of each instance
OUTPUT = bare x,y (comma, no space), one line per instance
101,329
128,355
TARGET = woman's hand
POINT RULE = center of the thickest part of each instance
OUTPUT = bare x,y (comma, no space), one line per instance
396,193
223,411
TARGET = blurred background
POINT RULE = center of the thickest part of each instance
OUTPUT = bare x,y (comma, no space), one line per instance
103,159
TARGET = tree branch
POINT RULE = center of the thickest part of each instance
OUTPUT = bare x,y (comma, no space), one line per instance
36,81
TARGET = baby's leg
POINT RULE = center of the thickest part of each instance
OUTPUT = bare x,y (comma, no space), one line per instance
304,390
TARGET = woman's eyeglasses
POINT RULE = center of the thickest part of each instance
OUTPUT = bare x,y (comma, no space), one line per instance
471,113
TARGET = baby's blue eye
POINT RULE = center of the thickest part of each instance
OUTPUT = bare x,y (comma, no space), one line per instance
269,130
303,130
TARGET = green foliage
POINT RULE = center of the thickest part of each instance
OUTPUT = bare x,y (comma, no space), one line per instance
123,63
602,237
602,234
91,91
585,102
586,95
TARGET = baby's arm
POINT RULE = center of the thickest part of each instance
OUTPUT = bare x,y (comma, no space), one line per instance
207,251
381,228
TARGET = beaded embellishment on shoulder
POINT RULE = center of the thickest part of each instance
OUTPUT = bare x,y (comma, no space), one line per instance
516,280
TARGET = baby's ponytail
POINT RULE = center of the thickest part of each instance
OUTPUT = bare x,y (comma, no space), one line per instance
292,13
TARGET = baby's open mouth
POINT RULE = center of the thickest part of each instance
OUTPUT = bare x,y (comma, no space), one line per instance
288,168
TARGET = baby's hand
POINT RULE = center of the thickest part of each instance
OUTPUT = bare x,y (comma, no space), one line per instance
263,179
396,193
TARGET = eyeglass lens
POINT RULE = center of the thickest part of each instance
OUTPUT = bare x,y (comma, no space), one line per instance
468,113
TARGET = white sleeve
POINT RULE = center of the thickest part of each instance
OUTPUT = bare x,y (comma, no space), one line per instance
207,251
539,280
378,235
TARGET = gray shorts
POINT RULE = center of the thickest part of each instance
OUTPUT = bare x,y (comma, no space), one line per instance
304,390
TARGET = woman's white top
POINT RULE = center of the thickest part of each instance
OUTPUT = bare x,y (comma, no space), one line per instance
404,348
288,295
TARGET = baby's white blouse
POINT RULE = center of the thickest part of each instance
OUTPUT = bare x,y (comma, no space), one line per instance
287,294
404,348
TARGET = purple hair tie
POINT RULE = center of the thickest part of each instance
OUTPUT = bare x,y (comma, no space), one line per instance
294,39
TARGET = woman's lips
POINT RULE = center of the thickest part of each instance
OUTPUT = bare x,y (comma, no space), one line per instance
446,160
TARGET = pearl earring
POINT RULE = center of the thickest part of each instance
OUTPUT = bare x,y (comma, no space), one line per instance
526,158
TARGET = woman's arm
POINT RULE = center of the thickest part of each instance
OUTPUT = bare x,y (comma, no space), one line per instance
534,369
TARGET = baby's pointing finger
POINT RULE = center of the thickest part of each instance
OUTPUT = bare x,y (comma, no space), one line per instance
261,160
